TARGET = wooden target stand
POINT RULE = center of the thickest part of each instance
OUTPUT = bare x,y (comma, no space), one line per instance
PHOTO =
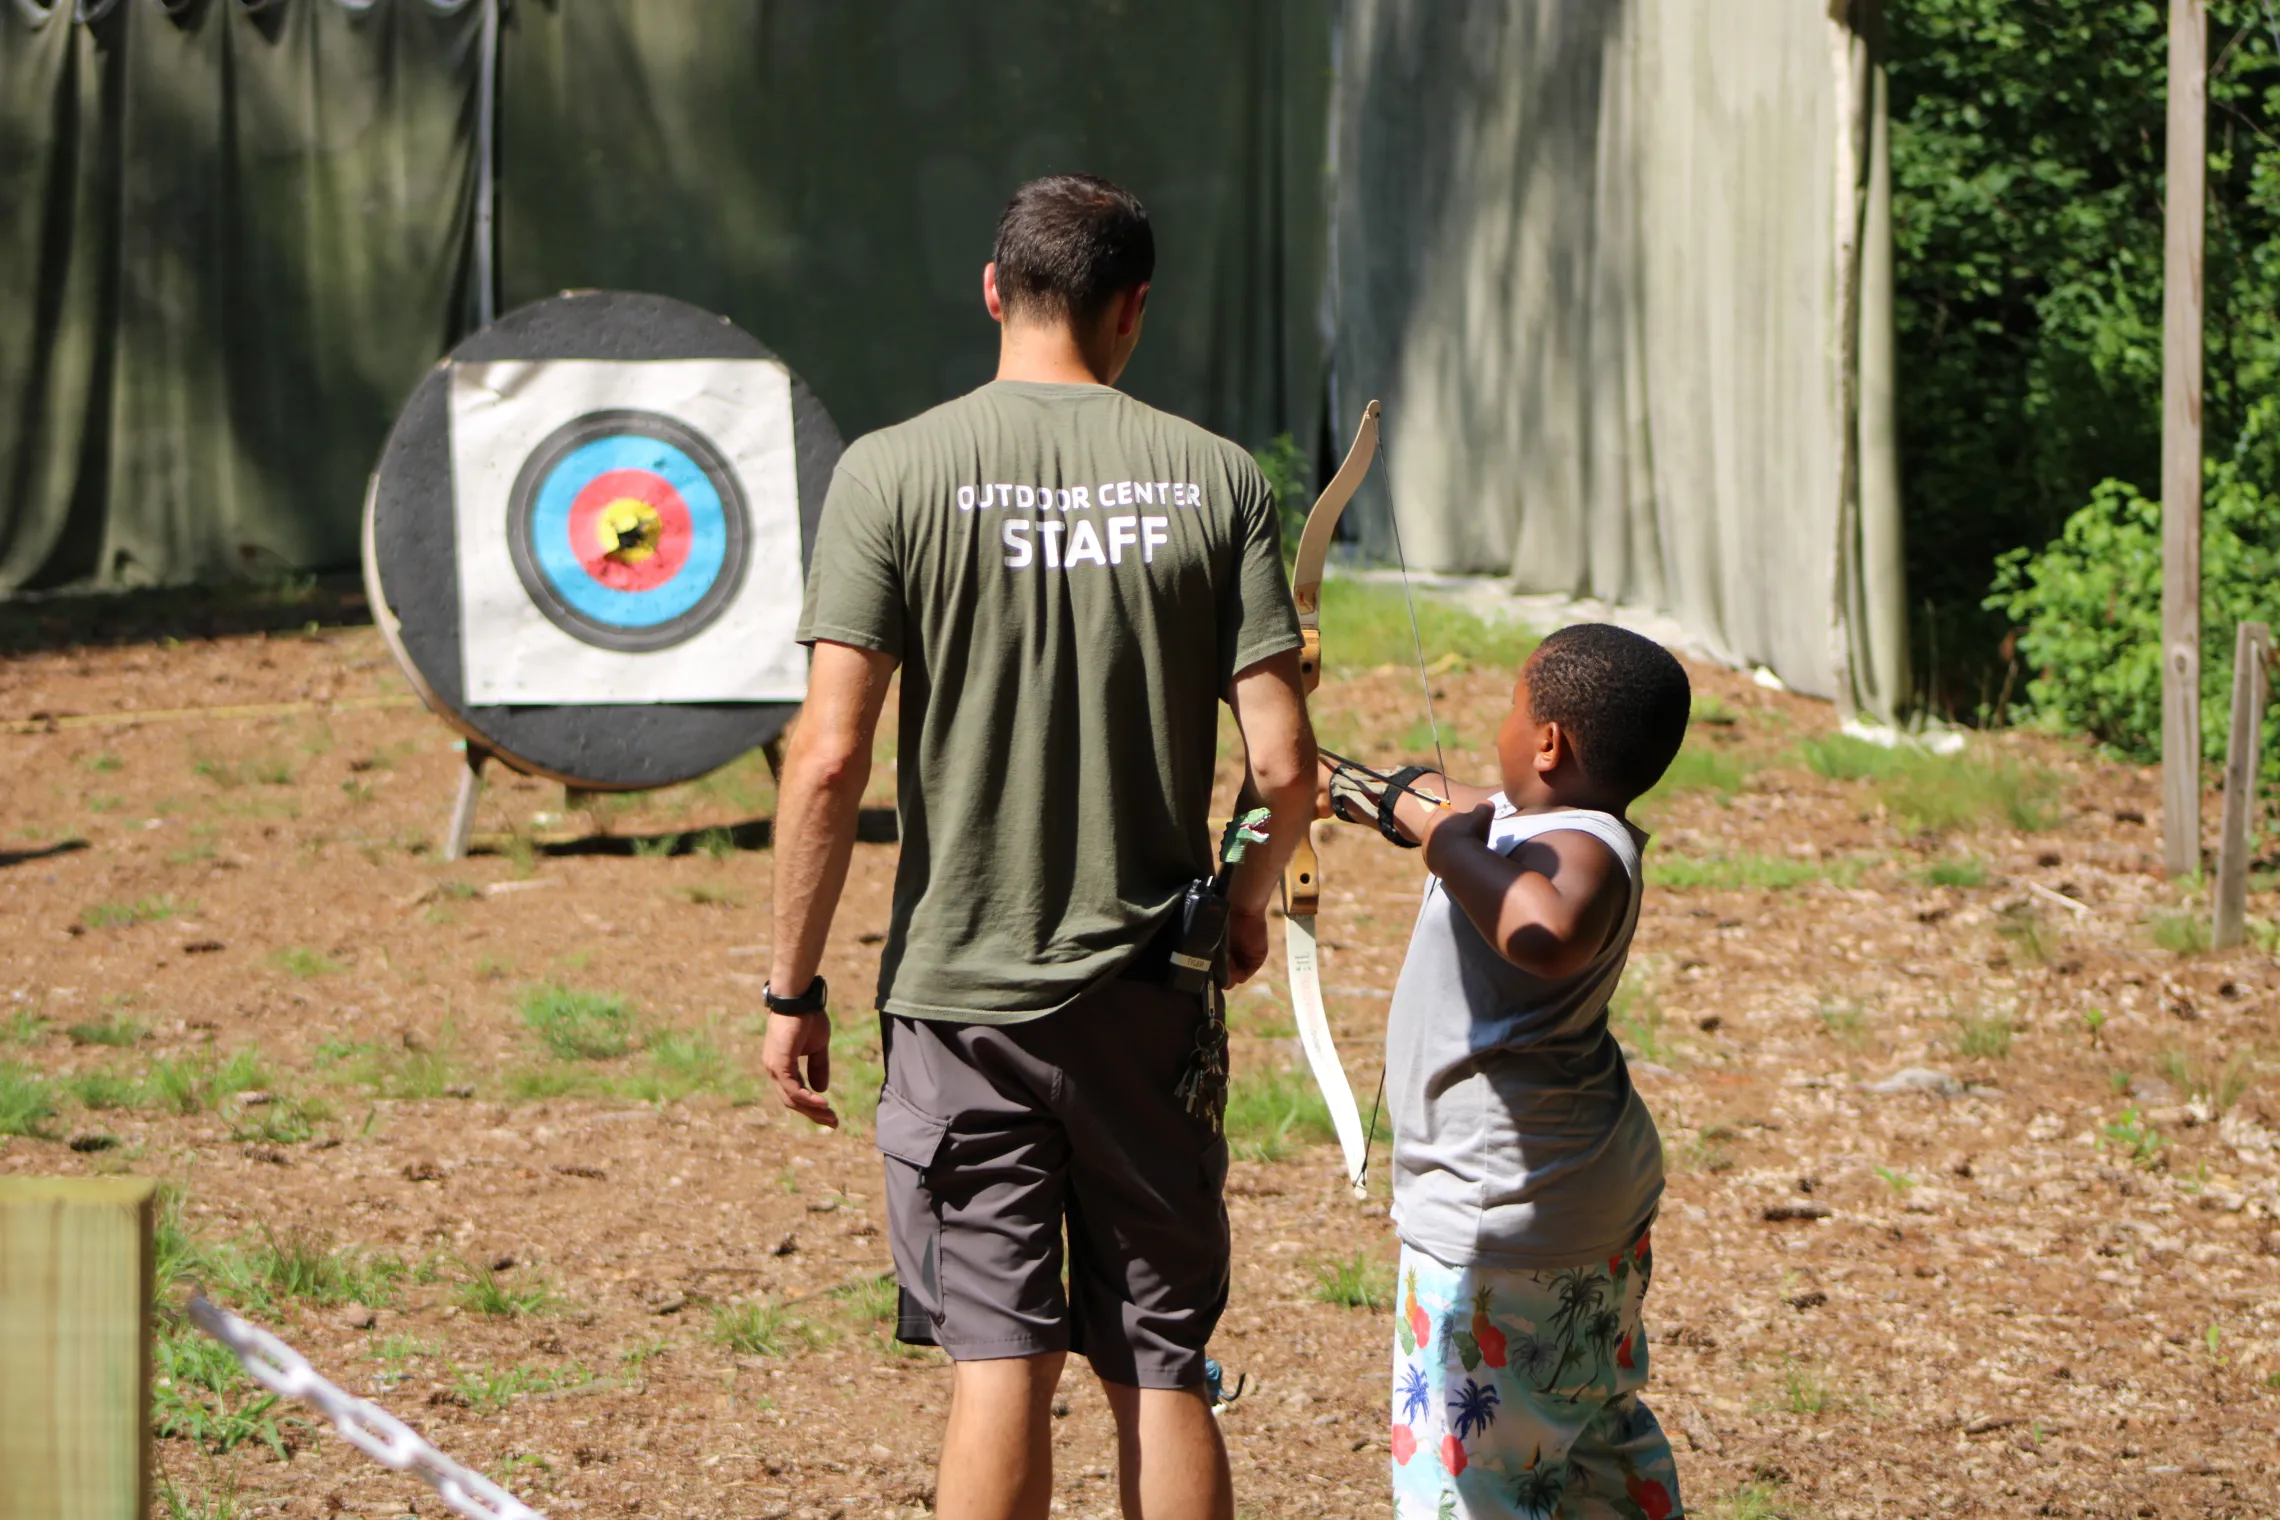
411,567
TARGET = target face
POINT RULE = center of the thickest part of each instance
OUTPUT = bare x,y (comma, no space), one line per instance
628,530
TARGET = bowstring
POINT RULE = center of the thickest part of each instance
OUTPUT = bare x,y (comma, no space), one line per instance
1409,603
1425,682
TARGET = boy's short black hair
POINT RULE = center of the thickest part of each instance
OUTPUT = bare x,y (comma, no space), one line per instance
1068,244
1622,698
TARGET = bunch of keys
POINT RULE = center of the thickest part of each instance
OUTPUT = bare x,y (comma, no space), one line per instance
1203,1084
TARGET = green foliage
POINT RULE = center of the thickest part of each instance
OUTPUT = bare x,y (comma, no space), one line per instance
303,962
486,1293
143,910
1964,871
1368,623
2089,604
102,1090
23,1027
1291,477
307,1265
763,1328
1699,767
1984,1036
2027,204
26,1103
1936,793
1635,1014
1732,873
579,1026
487,1392
2134,1136
194,1084
1272,1113
1361,1281
2219,1087
108,1030
198,1393
2181,931
1841,757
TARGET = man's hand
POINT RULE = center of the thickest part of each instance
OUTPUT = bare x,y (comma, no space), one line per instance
1246,945
791,1038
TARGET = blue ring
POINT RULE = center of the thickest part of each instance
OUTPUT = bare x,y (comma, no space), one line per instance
558,561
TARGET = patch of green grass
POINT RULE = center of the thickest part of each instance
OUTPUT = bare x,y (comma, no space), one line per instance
303,962
1934,793
657,847
579,1026
101,803
199,1394
23,1027
101,764
1635,1013
194,1084
717,844
1843,1019
143,910
763,1328
108,1030
870,1303
1961,871
308,1265
2134,1137
1361,1281
1700,768
104,1090
26,1102
1899,1182
1733,873
178,1505
1984,1036
2026,933
280,1121
488,1392
1841,757
682,1063
259,770
1804,1390
1713,711
390,1071
2181,931
484,1293
708,895
1274,1112
1372,619
856,1070
2220,1088
1752,1501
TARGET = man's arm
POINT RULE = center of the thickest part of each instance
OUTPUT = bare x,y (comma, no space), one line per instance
826,766
1269,700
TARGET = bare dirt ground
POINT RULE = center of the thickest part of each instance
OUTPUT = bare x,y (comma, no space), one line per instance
2037,1277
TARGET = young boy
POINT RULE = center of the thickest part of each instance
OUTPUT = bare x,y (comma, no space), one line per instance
1526,1170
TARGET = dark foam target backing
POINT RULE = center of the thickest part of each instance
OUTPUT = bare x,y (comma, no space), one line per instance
411,550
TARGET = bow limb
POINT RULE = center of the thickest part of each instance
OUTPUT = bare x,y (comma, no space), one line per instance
1302,878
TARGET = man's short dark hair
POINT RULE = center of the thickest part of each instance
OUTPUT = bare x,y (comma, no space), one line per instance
1623,700
1068,244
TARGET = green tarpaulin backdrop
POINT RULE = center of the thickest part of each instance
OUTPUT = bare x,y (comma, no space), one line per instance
1613,264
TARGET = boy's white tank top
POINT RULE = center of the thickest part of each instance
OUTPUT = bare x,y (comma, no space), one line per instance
1519,1141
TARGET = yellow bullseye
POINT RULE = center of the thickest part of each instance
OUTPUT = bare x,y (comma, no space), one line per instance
628,530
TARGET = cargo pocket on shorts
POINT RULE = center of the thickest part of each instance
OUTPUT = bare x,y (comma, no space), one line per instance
913,1138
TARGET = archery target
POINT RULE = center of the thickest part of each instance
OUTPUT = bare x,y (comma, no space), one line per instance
628,532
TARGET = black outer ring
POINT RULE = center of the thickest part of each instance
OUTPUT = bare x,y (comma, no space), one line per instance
411,551
735,526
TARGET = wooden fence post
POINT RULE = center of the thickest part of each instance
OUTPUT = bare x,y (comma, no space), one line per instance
2251,644
75,1291
2181,438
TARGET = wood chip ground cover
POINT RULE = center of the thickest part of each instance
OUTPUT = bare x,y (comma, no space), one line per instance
1974,1203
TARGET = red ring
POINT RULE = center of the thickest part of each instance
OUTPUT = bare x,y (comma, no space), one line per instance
673,536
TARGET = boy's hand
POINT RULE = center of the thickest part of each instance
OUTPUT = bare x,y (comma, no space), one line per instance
1442,829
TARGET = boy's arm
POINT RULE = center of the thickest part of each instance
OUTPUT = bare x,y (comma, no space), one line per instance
1547,907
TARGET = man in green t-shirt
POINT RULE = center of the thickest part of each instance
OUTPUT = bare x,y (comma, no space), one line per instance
1069,582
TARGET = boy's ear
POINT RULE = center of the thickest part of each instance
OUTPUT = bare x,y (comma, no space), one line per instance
1553,748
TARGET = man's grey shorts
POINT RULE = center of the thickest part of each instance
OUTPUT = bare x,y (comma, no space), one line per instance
994,1134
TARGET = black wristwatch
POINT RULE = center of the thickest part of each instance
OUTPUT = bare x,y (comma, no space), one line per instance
810,1001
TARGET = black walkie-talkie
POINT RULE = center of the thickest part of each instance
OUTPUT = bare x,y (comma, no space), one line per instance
1200,954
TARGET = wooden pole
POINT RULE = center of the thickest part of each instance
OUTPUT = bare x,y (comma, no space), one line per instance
2181,439
2250,646
75,1291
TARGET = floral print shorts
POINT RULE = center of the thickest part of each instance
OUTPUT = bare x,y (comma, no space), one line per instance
1516,1394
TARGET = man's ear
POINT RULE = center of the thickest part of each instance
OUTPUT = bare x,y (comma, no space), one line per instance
1129,309
990,292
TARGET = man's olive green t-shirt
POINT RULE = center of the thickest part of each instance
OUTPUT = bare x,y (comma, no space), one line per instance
1070,579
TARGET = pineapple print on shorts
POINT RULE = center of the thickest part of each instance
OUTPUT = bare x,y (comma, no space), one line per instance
1516,1394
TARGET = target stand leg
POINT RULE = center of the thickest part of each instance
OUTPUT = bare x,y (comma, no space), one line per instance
462,825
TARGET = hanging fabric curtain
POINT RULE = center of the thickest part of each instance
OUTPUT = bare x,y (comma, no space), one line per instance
1622,273
232,236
